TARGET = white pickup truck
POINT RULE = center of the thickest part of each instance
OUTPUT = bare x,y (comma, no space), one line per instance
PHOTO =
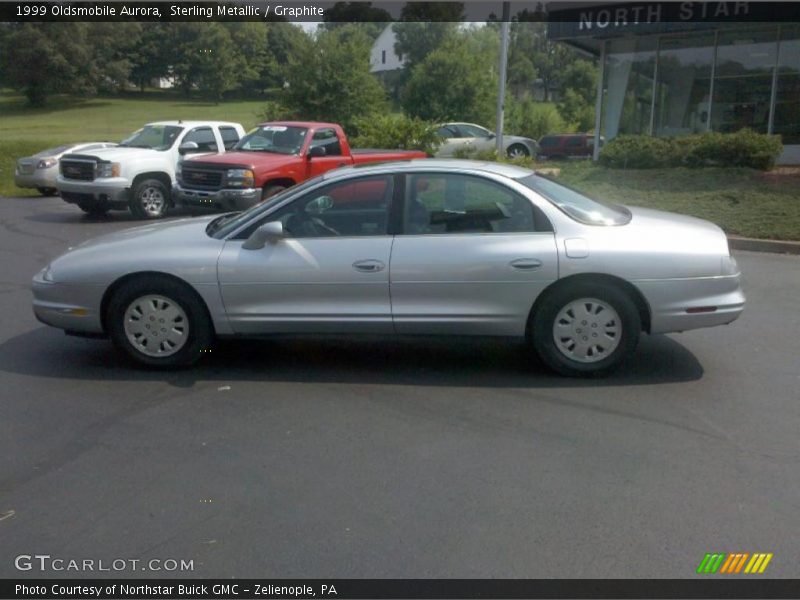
140,172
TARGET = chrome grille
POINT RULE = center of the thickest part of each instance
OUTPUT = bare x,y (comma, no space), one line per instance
26,168
205,179
80,169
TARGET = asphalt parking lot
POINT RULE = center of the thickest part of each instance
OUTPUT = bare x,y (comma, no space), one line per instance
326,458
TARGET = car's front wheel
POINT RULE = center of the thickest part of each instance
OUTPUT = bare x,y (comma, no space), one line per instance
158,322
149,199
518,151
585,329
271,189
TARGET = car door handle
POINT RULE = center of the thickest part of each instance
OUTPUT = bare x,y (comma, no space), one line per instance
526,264
369,266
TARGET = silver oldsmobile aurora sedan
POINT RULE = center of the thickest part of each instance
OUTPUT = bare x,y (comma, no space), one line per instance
424,247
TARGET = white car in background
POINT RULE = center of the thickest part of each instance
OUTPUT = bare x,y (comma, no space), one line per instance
471,138
40,170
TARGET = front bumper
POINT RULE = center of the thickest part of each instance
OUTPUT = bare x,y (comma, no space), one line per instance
40,178
225,199
74,308
113,192
670,299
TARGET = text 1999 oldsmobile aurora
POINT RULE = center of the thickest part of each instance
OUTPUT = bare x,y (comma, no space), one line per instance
419,247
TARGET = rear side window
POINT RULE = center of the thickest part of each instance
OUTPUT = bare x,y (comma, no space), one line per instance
575,141
229,137
439,203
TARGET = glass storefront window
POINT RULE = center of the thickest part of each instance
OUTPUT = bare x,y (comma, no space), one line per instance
743,80
786,122
628,86
684,84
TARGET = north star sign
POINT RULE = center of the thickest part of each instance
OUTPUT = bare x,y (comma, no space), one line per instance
621,16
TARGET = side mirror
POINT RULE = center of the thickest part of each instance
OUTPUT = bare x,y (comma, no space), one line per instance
316,151
268,233
492,135
188,147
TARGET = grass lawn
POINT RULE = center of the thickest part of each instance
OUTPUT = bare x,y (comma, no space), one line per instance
24,130
741,201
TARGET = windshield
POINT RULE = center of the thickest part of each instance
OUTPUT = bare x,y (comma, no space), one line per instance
157,137
226,224
576,205
279,139
54,151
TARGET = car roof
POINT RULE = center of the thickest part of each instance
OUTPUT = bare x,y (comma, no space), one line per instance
181,123
307,124
455,165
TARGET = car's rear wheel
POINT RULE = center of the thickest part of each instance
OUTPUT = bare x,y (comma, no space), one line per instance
158,322
149,199
93,209
47,191
517,151
585,329
271,190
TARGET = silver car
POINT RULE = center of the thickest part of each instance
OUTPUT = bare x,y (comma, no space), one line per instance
40,170
465,139
421,247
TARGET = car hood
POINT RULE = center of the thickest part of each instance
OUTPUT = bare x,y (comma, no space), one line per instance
181,247
670,230
257,160
119,153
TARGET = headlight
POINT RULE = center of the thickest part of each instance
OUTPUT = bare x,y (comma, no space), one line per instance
47,274
46,163
241,178
108,169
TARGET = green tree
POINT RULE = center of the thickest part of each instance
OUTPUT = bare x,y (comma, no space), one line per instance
113,47
330,79
455,82
424,27
152,56
371,19
578,85
41,59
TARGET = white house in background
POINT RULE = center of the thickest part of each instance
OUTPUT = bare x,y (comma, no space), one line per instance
383,57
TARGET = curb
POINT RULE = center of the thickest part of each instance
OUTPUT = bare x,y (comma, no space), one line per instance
757,245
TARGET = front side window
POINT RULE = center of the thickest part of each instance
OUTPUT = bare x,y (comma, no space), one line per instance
357,207
473,131
203,137
577,206
156,137
277,139
327,138
446,132
438,203
229,137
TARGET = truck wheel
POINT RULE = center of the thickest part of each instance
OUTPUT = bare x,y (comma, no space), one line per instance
149,199
47,191
271,190
92,209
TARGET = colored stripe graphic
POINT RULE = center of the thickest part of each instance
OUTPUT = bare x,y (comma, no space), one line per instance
734,563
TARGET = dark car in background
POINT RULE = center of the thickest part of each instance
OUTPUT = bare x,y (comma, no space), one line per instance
566,145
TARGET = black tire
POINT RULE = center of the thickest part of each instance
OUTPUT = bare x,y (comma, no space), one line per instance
150,199
92,209
517,148
271,189
198,338
544,338
47,191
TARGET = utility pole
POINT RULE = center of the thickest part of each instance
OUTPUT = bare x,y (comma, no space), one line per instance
501,93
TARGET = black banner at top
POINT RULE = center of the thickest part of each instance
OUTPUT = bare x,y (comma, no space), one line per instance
601,13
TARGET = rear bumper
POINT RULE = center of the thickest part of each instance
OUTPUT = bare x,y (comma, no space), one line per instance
111,192
670,299
74,308
226,199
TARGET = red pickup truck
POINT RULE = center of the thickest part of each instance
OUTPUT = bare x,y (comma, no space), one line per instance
270,158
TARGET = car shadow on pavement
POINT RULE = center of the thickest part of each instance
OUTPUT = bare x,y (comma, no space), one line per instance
456,362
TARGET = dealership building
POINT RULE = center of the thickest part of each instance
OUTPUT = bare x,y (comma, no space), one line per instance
677,68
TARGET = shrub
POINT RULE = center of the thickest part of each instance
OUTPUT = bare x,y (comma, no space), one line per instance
533,119
745,148
637,152
395,131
